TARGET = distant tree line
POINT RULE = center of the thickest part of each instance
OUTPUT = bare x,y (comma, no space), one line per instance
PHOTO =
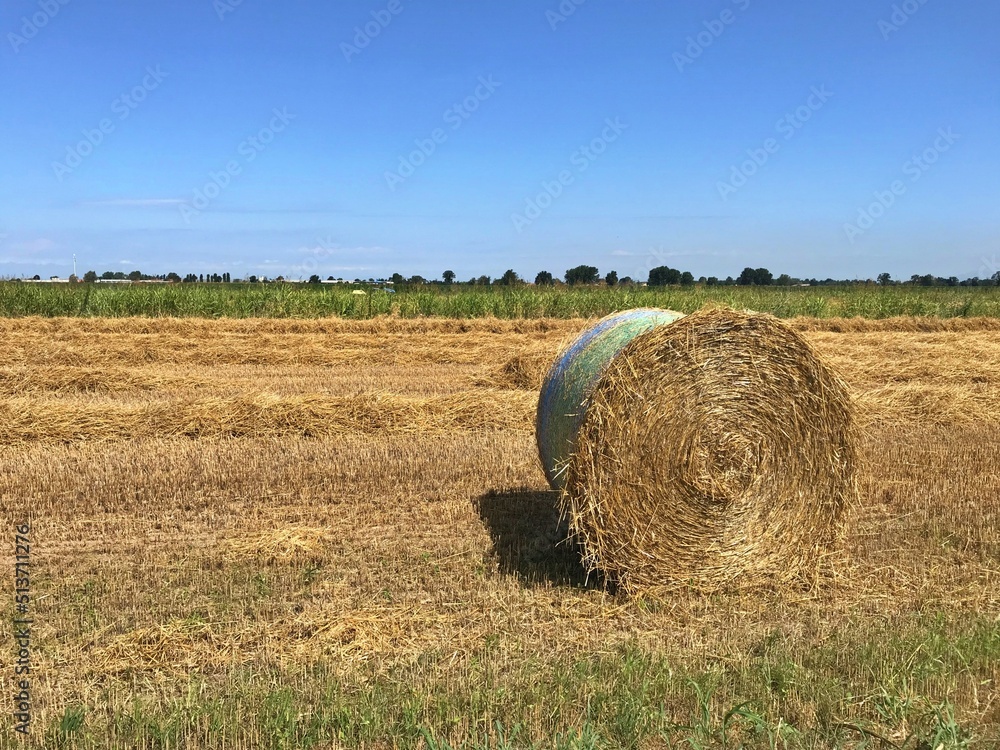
583,275
667,276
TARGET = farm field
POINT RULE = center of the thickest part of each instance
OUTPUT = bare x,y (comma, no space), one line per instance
335,533
286,300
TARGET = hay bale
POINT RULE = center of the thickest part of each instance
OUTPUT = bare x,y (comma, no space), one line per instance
714,452
573,376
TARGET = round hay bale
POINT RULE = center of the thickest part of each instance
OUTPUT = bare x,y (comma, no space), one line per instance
717,451
573,376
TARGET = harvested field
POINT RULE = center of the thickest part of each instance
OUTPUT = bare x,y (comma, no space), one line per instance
329,533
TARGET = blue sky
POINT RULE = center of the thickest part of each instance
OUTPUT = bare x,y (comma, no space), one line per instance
358,139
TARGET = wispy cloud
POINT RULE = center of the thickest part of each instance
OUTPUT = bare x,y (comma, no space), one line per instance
14,261
323,248
659,253
37,245
136,202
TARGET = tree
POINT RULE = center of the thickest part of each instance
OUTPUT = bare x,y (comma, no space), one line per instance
626,281
754,277
73,278
543,278
687,278
582,275
509,278
712,281
884,279
483,280
90,277
135,275
173,277
612,278
663,276
397,278
448,276
784,280
995,278
315,279
253,279
190,278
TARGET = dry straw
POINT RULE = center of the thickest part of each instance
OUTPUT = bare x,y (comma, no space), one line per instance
715,452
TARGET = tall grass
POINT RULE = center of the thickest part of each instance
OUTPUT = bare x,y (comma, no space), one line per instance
304,301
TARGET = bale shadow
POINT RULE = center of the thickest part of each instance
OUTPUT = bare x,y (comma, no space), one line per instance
530,540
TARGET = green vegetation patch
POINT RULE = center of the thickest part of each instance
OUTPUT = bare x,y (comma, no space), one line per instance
281,300
923,683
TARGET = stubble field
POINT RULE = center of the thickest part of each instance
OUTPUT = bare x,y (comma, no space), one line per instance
336,533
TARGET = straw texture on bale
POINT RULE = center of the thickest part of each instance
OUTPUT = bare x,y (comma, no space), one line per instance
574,375
717,451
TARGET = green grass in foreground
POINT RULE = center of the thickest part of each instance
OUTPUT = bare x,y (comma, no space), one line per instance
305,301
910,684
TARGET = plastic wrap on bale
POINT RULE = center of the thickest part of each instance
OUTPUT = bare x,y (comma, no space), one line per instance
573,376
